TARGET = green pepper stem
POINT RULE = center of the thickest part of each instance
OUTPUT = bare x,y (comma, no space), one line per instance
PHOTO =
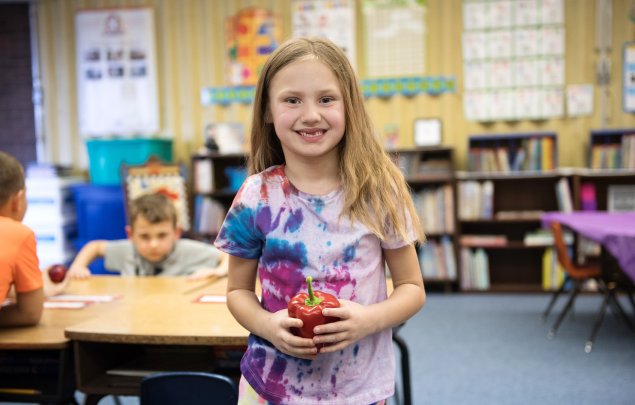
312,300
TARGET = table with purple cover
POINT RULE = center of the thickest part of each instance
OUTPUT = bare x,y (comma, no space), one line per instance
615,231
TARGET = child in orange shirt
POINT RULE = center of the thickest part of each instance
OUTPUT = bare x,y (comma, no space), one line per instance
19,265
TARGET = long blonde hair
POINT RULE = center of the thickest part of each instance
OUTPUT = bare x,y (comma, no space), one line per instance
375,192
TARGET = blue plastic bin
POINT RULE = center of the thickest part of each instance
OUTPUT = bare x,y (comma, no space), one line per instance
101,214
105,156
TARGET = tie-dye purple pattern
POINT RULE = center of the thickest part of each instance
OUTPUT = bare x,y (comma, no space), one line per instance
293,235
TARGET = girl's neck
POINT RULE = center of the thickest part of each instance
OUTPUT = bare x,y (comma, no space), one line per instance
317,178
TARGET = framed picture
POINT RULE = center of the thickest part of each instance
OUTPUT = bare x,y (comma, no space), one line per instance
427,132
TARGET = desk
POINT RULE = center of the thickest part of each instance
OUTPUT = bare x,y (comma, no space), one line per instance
156,325
41,349
614,231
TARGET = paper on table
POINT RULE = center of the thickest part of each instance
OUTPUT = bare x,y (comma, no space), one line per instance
211,299
83,298
64,305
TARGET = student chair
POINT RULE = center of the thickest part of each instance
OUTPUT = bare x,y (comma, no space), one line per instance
578,275
188,388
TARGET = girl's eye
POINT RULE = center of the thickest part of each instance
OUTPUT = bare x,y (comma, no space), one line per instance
293,100
326,100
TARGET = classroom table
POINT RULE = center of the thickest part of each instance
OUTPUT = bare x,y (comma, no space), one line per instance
153,324
157,324
615,231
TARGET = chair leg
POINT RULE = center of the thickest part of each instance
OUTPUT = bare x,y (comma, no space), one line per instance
618,310
565,310
405,368
552,301
598,321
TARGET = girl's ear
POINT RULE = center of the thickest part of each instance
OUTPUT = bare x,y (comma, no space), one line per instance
128,231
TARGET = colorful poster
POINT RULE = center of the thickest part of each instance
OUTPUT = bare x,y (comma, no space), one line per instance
116,72
252,35
331,19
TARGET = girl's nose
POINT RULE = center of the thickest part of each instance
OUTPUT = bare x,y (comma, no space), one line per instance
311,113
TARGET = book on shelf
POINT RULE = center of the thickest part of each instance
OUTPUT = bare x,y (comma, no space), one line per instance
474,269
552,271
203,176
476,199
483,240
621,198
436,259
563,195
544,237
587,197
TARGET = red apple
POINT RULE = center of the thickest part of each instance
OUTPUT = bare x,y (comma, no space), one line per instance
57,272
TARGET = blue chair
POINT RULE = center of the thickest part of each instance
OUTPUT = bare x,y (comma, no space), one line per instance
188,388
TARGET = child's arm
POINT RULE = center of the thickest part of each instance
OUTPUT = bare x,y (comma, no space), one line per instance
26,311
358,321
91,251
220,270
244,305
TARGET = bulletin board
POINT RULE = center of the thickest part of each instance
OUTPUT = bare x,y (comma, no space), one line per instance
116,72
513,59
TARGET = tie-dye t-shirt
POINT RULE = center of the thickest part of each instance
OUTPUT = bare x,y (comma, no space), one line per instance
294,235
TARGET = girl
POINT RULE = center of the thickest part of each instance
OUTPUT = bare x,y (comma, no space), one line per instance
323,200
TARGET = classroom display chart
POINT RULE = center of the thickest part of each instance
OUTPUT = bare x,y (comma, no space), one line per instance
116,72
394,33
513,59
251,36
331,19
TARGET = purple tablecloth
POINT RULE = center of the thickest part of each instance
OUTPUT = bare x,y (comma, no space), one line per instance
614,230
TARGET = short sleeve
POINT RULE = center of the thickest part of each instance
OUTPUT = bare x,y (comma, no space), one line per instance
118,255
27,276
239,235
396,241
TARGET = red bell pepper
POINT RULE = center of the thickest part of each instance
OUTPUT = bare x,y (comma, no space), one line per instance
308,307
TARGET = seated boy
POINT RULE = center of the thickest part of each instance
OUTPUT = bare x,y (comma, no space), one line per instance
19,264
153,247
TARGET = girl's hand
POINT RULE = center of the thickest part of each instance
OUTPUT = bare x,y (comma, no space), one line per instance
356,322
278,331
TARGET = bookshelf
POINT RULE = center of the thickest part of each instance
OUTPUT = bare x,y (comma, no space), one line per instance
612,149
518,152
216,178
429,172
501,245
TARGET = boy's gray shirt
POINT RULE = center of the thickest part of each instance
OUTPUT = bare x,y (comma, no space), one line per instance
188,256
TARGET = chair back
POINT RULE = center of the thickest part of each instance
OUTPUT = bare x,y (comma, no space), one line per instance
561,248
188,388
573,270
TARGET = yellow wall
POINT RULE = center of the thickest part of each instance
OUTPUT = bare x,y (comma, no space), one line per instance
189,38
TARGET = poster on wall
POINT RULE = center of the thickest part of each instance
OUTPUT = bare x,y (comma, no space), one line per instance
252,35
116,71
331,19
395,37
629,77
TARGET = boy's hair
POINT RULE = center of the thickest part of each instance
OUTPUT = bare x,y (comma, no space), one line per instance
11,177
375,190
155,208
